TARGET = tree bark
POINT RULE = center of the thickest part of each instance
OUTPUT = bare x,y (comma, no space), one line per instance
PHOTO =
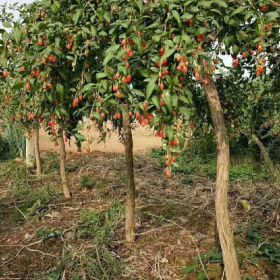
63,176
264,152
37,153
130,188
30,152
222,182
268,161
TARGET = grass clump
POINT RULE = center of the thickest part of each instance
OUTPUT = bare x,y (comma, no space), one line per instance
87,182
35,203
205,165
51,163
101,225
97,262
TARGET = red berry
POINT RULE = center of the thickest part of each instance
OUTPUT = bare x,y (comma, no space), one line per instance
260,48
200,37
115,88
168,174
6,74
162,52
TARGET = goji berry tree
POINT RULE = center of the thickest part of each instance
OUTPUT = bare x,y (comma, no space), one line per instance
50,53
164,47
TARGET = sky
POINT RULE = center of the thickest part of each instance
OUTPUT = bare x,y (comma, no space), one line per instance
18,1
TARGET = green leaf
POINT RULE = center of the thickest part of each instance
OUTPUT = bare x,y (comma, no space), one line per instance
168,99
88,87
187,39
80,137
177,17
185,111
64,112
102,75
151,86
205,4
167,53
109,56
239,10
76,17
155,100
17,35
6,24
221,3
93,31
170,133
138,92
156,38
60,90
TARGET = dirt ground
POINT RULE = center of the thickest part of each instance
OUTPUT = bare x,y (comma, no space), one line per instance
144,141
175,224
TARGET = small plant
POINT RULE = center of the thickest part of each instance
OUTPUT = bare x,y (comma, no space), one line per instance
100,225
87,182
35,203
45,233
264,248
16,140
51,163
212,261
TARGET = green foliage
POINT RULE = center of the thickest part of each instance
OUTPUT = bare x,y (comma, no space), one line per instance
99,263
200,164
51,163
16,140
5,151
87,182
211,257
12,143
35,203
14,176
100,225
265,248
45,233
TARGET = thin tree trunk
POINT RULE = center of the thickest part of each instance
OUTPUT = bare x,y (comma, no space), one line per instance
63,176
222,182
268,161
37,153
30,152
130,189
264,152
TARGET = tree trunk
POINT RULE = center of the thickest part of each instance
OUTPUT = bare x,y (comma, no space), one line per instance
64,181
268,161
222,182
264,152
130,189
37,153
30,152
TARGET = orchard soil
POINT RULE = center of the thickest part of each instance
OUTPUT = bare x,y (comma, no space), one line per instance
175,223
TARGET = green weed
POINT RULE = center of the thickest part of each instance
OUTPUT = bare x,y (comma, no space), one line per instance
87,182
35,204
100,225
243,169
212,262
51,163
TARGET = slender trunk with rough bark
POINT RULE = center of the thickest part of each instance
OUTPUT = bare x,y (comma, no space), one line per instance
30,152
268,161
63,176
264,152
37,153
130,189
222,182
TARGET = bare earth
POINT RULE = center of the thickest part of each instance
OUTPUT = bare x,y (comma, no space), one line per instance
144,140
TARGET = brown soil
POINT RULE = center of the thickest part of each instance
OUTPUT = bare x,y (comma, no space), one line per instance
175,224
144,141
